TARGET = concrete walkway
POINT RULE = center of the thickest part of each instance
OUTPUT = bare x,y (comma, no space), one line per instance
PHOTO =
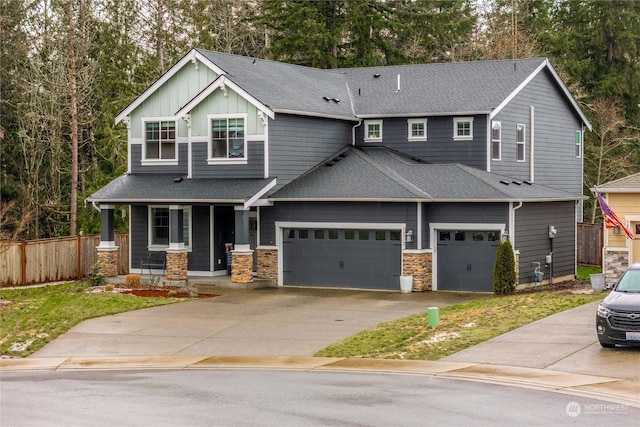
281,328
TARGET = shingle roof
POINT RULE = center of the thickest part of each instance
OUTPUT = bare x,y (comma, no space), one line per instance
174,188
631,183
382,174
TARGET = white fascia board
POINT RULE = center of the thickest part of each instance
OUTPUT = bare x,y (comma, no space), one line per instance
517,90
604,190
398,200
312,114
165,201
570,97
190,57
223,81
424,114
249,203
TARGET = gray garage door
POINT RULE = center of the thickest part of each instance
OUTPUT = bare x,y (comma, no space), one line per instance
346,258
466,260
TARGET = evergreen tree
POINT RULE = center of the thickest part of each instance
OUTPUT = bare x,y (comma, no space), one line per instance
504,270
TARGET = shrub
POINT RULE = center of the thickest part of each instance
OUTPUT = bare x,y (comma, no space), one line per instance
132,280
108,288
95,278
504,271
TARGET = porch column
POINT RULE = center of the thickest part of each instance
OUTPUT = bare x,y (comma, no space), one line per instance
177,253
242,255
107,251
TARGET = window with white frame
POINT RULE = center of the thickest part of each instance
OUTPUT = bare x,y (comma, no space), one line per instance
160,140
463,128
159,226
373,130
578,144
417,129
227,138
496,140
520,136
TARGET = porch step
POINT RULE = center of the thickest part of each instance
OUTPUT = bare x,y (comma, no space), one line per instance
209,285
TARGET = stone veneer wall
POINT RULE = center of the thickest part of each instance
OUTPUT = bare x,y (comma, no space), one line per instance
108,262
242,267
420,266
268,264
177,265
615,262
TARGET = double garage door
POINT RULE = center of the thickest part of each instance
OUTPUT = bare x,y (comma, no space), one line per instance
466,259
346,258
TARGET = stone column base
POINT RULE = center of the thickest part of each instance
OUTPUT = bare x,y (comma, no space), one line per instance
108,261
242,266
420,266
268,263
176,265
615,262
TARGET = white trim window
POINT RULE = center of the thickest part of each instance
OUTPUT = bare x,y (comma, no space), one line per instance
578,144
417,129
496,140
373,130
227,138
159,140
159,227
462,128
520,138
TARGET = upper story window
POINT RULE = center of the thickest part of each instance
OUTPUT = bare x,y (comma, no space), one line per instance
373,130
417,129
159,226
228,140
463,128
160,140
520,135
496,140
578,144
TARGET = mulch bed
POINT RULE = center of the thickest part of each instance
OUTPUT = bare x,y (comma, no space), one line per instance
160,293
564,287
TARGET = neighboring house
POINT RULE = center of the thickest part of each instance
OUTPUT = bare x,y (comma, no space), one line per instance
351,177
623,197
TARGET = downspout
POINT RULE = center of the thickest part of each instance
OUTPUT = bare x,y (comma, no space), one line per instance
531,132
187,119
512,227
353,133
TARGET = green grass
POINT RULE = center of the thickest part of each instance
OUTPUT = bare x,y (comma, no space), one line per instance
585,270
36,316
460,326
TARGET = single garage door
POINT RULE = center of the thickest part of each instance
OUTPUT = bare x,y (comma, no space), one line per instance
466,260
342,258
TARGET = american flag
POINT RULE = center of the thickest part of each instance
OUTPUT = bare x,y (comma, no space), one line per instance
611,220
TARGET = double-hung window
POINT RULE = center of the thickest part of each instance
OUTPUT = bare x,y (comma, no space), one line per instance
578,144
463,128
228,140
520,135
159,226
373,130
160,140
417,129
496,140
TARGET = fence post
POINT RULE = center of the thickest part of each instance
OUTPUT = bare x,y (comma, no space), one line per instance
23,262
80,270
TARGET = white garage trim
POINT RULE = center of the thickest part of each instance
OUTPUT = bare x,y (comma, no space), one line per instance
433,232
281,225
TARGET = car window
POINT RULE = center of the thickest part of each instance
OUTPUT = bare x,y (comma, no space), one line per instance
630,282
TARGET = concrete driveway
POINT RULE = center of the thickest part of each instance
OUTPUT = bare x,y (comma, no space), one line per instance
267,321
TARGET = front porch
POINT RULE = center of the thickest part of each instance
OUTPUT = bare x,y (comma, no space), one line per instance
201,284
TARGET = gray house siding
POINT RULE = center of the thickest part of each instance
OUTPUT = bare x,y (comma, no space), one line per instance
297,144
532,237
139,234
555,126
440,147
253,169
462,213
137,167
342,212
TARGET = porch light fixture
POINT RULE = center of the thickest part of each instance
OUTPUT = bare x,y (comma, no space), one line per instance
409,236
616,229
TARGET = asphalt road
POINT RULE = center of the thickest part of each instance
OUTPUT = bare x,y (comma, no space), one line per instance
285,398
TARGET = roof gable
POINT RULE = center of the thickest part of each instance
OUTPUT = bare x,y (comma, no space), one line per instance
628,184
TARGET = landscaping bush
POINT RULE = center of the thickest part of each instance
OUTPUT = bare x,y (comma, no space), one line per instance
504,271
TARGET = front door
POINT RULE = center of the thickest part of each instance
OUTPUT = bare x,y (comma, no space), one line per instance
223,233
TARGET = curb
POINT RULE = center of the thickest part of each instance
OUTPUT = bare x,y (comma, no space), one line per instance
625,392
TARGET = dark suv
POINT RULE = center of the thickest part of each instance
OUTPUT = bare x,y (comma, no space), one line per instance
618,316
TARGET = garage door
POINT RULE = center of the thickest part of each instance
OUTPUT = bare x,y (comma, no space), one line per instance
466,259
346,258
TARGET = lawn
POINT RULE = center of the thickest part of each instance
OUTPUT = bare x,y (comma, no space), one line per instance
32,317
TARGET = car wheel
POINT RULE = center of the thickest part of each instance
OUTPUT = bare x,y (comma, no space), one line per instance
607,345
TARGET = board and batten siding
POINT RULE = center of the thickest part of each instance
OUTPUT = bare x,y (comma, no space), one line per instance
462,213
532,237
555,126
179,169
297,144
338,212
440,147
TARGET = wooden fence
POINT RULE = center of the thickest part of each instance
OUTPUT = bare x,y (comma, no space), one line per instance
590,241
51,260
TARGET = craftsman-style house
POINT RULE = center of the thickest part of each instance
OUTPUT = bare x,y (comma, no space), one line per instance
350,177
